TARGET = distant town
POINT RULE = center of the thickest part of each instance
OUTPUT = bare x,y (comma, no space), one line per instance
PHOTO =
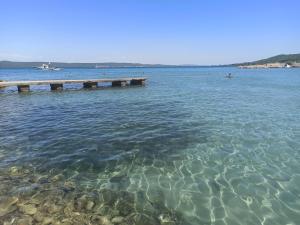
270,65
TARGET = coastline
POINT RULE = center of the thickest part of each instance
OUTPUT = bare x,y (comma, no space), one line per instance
270,65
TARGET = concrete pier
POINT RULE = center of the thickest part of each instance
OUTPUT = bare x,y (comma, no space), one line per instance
55,85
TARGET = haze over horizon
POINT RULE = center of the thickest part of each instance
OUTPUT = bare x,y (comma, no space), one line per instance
152,32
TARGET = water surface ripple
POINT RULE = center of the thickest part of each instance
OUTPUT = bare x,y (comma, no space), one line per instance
190,148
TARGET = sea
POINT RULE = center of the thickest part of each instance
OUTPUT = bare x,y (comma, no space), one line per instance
190,147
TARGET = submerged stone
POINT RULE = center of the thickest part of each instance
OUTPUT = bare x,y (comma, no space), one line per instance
17,171
90,205
7,205
80,203
69,208
53,208
47,221
7,222
35,201
28,209
114,213
104,210
43,180
108,196
166,219
101,220
14,171
117,220
69,186
58,177
142,219
126,196
28,190
27,220
67,222
124,208
7,210
38,217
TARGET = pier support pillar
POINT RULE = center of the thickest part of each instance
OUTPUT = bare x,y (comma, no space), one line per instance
119,83
137,82
56,87
1,87
90,85
23,88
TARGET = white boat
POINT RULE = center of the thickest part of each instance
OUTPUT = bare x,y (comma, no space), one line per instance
43,67
48,67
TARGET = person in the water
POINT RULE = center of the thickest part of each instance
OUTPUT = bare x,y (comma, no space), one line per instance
229,75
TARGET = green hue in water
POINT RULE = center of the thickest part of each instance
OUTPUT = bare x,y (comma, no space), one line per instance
191,147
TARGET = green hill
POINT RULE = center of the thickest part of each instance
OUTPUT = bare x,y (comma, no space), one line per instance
288,58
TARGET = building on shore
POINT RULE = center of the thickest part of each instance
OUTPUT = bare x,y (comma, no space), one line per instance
295,64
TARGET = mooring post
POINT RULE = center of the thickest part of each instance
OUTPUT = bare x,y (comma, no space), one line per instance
56,87
90,84
119,83
23,88
137,82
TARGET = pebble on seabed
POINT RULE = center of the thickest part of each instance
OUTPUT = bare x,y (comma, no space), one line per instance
103,220
117,220
7,205
17,171
13,170
47,220
90,205
60,201
58,177
69,186
26,220
28,209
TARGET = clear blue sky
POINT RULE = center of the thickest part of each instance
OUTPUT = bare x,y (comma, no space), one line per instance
148,31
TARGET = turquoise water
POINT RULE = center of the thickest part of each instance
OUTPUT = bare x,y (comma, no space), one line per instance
191,147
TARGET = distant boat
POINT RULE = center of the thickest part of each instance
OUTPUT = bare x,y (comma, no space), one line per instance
48,67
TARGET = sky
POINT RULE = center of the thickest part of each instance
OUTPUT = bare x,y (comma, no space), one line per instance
148,31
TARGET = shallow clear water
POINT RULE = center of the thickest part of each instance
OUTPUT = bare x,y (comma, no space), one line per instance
190,147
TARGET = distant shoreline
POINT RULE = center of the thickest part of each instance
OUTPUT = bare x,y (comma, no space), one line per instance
29,65
279,61
276,65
